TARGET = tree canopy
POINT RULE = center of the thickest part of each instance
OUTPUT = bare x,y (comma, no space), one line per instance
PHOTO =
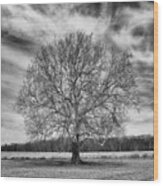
76,87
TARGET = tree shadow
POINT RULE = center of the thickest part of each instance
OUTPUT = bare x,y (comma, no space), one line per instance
61,162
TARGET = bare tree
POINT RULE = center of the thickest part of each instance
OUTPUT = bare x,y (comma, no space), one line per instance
76,88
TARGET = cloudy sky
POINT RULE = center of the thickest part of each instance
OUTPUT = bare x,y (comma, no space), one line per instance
25,28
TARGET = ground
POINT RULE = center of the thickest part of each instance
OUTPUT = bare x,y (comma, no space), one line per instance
115,168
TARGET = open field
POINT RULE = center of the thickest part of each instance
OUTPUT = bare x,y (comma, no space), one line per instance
127,166
47,155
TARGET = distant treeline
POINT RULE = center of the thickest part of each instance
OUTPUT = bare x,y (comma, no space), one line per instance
141,143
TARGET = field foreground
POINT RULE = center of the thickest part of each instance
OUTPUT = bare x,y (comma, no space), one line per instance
118,167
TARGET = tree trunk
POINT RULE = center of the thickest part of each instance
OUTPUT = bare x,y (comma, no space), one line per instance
75,159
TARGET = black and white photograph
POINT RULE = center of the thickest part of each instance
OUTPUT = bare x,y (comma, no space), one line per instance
77,90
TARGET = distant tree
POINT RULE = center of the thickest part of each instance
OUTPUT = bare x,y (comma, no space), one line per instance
76,88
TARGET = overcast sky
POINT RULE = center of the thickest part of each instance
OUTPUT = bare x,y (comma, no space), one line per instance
26,27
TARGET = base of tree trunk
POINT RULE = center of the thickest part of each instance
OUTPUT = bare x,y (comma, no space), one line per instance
76,161
75,154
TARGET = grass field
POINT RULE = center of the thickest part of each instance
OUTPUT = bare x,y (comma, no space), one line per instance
127,166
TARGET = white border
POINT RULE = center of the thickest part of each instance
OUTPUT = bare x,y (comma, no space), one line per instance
60,1
63,182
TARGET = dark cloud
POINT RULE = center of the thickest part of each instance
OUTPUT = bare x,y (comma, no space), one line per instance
17,41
